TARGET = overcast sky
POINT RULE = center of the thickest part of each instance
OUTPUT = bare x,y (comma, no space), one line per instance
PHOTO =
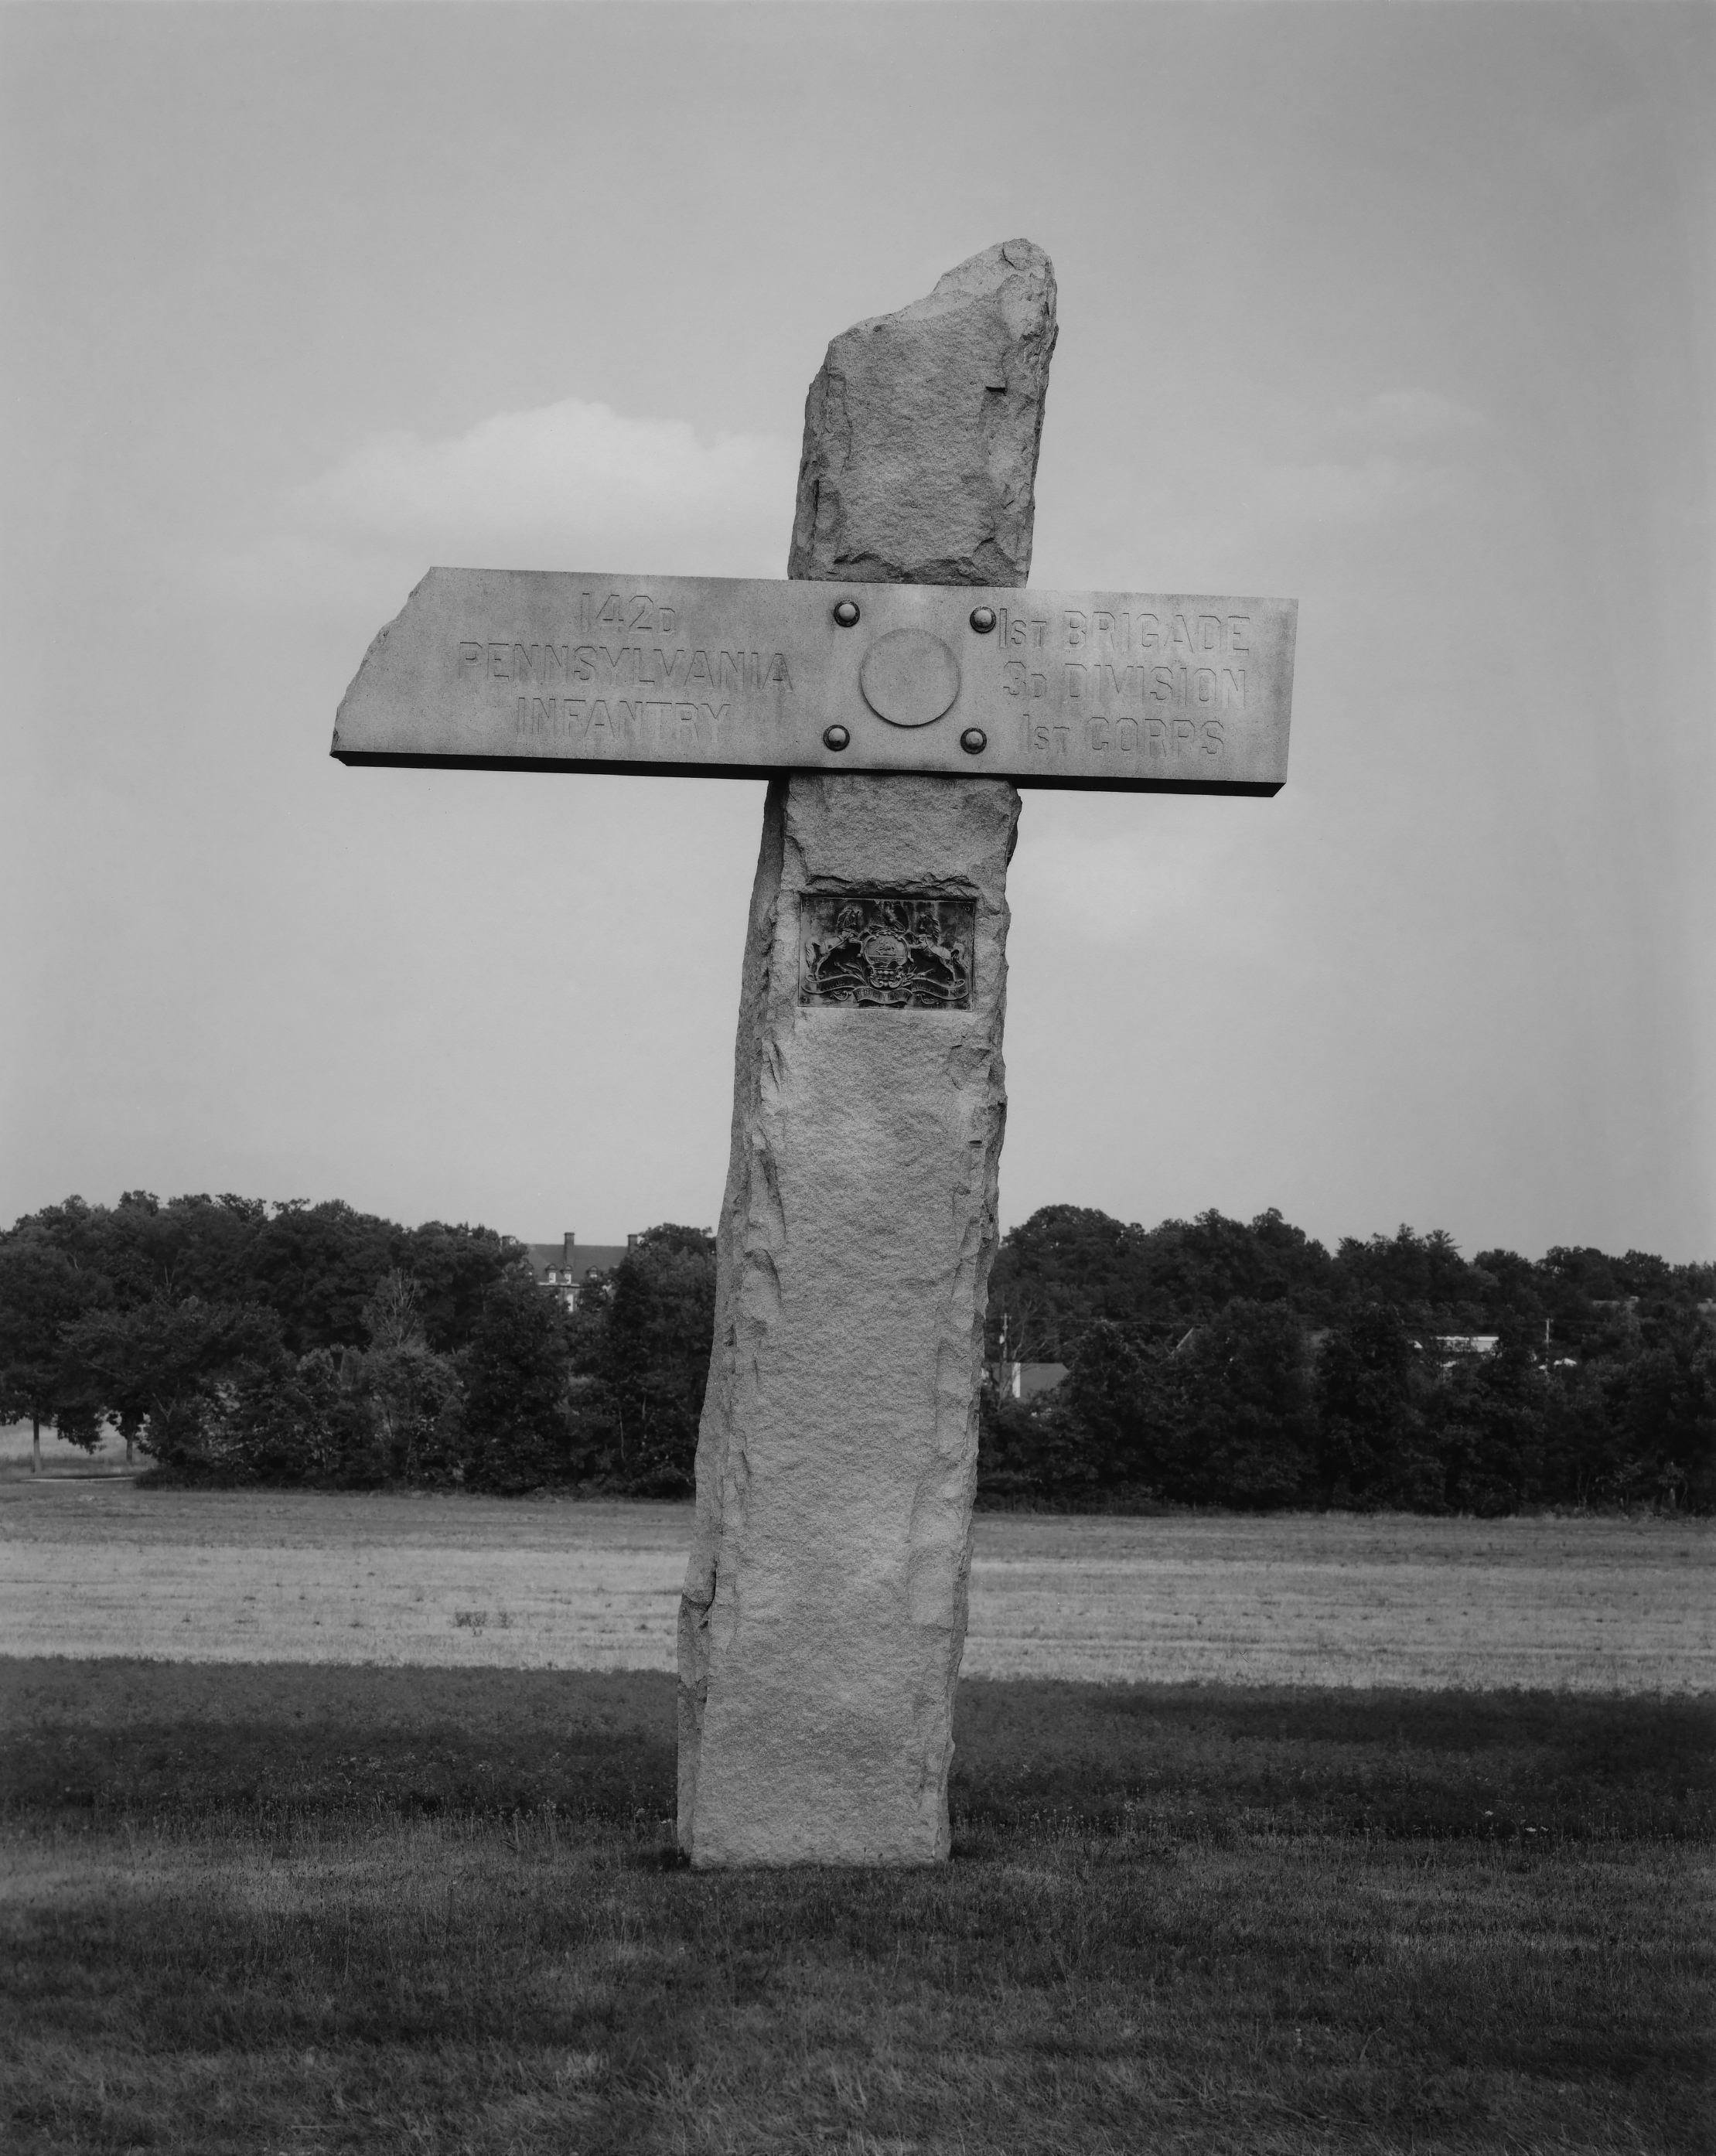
1406,313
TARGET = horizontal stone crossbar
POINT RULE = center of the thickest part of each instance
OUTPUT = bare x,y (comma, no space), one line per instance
738,678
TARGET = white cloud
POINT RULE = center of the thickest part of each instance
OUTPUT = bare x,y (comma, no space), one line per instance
568,485
572,474
1255,504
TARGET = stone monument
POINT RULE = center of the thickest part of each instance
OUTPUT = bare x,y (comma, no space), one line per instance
824,1614
893,693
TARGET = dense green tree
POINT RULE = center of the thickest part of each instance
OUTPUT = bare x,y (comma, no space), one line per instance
159,1368
641,1342
1581,1451
1421,1275
1224,1416
317,1266
1581,1276
1248,1430
406,1400
285,1420
189,1246
1067,1266
1661,1412
1197,1268
515,1370
1217,1362
660,1320
1373,1447
1508,1286
1123,1403
454,1268
1492,1411
1030,1451
72,1226
388,1414
1213,1361
44,1289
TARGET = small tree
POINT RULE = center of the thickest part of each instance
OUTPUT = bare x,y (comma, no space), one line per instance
158,1368
392,1316
287,1420
660,1326
43,1289
408,1399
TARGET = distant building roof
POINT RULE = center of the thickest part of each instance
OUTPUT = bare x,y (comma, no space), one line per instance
567,1264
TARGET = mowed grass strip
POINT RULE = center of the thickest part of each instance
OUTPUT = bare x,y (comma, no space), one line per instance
268,1909
1602,1605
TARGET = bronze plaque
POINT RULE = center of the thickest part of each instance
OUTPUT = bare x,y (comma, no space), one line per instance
886,950
739,678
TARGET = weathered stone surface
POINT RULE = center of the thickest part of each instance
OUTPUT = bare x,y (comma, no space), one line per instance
824,1607
921,433
824,1614
734,677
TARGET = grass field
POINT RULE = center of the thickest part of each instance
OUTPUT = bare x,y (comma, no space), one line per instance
99,1567
278,1909
309,1847
59,1458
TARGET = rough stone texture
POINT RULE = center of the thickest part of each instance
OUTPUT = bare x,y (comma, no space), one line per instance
824,1609
921,433
824,1612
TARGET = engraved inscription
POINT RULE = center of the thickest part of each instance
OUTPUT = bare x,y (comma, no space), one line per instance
604,725
886,950
1102,689
661,699
629,665
1123,688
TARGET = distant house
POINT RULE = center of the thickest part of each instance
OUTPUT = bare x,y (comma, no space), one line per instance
1455,1345
564,1267
1024,1381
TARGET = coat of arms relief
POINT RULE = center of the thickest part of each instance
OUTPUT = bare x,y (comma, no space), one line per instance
887,951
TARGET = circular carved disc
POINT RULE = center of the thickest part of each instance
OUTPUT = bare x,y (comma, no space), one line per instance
909,677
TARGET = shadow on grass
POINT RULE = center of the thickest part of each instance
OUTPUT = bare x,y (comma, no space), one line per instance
149,1739
1483,1765
268,1908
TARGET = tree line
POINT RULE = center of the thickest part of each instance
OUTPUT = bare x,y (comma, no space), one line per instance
235,1340
1211,1362
1215,1362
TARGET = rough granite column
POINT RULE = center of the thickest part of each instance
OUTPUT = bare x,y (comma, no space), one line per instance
824,1612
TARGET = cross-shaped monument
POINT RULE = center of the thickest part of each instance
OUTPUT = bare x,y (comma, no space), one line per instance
896,695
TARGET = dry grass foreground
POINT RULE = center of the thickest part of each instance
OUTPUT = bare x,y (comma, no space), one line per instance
96,1566
272,1909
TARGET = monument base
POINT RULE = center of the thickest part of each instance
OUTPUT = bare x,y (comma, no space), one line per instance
824,1614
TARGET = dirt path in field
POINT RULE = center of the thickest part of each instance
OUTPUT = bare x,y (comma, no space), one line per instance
101,1568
